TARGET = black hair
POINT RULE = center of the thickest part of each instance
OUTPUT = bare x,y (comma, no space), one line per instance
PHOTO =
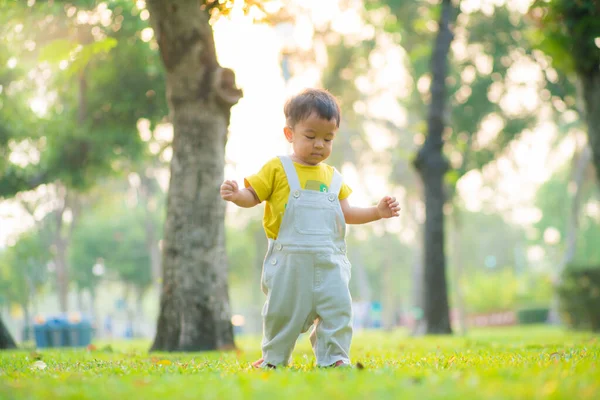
320,101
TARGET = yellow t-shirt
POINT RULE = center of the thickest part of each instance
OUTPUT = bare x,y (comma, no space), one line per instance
271,185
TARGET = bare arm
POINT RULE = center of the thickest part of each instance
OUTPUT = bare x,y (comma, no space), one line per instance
388,207
245,198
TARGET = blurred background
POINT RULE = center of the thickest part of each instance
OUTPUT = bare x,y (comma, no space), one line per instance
81,83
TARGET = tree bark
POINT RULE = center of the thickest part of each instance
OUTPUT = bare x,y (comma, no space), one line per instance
388,298
60,257
194,306
432,166
458,269
6,340
591,96
579,173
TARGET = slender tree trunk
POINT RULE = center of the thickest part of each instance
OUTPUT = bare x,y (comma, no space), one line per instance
458,269
6,340
581,166
591,97
432,166
61,242
139,313
254,322
80,307
26,321
418,274
60,260
388,298
362,278
146,192
194,306
93,310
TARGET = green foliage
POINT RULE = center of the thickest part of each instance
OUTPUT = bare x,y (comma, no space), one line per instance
101,79
494,38
567,31
79,55
490,291
532,315
535,291
23,268
501,290
532,363
245,252
580,297
554,201
112,234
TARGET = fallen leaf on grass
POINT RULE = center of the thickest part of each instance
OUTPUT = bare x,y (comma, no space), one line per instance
227,347
164,362
39,365
555,356
141,382
108,349
416,380
359,365
91,347
35,355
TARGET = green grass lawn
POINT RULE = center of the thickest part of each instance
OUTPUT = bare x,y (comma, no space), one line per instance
523,363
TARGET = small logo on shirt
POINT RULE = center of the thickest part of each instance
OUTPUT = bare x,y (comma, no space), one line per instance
316,185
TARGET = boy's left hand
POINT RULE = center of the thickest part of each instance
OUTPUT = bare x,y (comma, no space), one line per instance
388,207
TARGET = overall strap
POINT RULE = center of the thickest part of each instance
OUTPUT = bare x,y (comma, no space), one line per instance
290,172
336,183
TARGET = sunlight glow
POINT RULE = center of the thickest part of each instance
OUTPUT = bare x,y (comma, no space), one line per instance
147,34
255,133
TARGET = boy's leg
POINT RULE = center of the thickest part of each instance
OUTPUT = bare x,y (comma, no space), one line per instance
332,335
288,309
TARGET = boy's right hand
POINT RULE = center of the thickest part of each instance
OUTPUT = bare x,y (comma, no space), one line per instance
230,190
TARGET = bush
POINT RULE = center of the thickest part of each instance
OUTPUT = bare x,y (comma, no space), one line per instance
579,296
535,292
489,291
501,290
532,315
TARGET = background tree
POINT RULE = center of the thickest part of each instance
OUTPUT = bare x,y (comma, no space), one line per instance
569,32
6,340
432,166
102,75
194,306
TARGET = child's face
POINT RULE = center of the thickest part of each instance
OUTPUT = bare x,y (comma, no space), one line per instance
312,139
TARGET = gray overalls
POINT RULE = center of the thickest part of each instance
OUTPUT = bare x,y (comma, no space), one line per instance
306,275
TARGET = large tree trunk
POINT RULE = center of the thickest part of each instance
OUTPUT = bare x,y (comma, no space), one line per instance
579,173
6,340
194,306
591,96
432,166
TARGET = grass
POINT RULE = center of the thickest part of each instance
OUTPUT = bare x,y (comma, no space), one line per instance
523,363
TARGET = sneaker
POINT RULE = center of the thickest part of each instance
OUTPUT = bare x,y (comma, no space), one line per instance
341,364
258,364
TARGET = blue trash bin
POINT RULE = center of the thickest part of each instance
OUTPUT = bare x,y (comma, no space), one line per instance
40,333
80,333
57,332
